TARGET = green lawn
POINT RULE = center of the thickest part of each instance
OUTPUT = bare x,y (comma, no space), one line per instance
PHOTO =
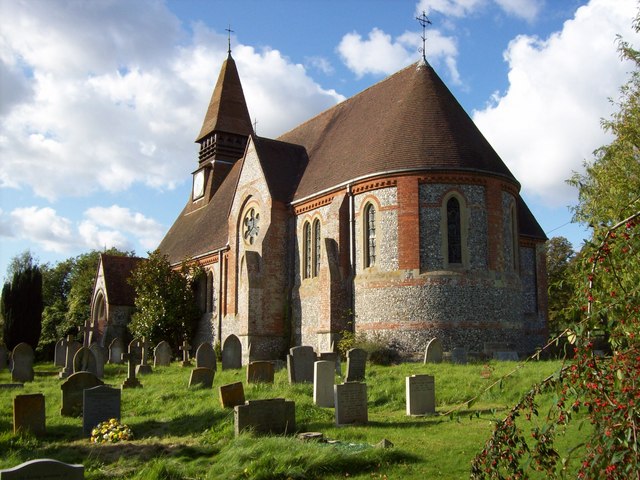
184,433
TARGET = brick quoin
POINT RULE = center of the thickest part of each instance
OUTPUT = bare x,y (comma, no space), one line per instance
408,223
494,225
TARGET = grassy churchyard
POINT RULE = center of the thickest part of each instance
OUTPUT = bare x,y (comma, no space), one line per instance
185,433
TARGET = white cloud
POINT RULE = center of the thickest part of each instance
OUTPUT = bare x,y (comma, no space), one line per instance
146,230
44,227
548,121
319,63
525,9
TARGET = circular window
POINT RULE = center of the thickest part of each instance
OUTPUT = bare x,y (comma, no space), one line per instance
251,225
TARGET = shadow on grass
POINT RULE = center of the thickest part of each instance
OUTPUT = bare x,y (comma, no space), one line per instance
186,424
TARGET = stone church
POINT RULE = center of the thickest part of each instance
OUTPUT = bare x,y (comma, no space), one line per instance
389,215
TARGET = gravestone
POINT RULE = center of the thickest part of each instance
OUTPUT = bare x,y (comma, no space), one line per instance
300,364
324,372
433,351
135,350
206,356
231,353
98,353
29,414
185,353
85,361
22,358
459,355
260,372
162,355
231,395
71,347
131,381
202,376
332,357
143,368
273,416
99,404
72,390
507,356
116,349
356,365
420,395
350,402
59,354
489,347
43,468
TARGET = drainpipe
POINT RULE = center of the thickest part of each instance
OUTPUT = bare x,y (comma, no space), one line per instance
352,254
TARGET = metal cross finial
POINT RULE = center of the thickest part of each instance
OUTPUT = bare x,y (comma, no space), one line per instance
229,32
424,21
255,126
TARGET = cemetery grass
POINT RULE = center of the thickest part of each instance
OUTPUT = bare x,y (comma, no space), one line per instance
185,433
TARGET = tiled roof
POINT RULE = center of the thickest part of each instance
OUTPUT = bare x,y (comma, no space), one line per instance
283,165
117,270
527,223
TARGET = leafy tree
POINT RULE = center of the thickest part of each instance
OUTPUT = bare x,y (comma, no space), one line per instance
20,263
56,284
166,308
560,268
21,307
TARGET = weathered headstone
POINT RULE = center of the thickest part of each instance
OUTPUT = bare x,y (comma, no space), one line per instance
300,364
131,381
85,361
162,354
143,368
185,347
324,372
350,402
59,354
135,350
205,356
72,390
22,357
43,468
332,357
508,356
356,365
433,351
116,349
231,353
29,414
271,416
99,404
260,372
202,376
71,347
420,395
98,353
459,355
232,395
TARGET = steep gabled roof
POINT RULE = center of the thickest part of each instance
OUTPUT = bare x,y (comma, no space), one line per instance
282,164
409,121
527,223
227,110
117,270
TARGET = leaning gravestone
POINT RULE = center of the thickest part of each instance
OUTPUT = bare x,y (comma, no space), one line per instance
202,376
356,365
71,347
324,372
72,390
116,349
231,353
162,354
99,404
350,401
273,416
29,414
260,372
43,468
205,356
59,354
85,361
22,363
98,353
232,395
300,364
433,352
459,355
420,395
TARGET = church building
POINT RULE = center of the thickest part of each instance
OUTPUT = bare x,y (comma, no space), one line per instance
389,215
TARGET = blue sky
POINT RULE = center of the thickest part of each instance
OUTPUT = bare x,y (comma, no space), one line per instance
100,101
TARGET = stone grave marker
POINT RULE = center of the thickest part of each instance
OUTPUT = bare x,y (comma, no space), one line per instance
131,381
300,364
274,416
332,357
231,353
135,350
459,355
59,354
116,349
350,402
260,372
507,356
22,357
206,356
71,348
202,376
324,372
185,347
72,390
29,414
85,361
356,365
232,395
420,395
162,354
433,351
489,347
99,404
43,468
98,353
143,368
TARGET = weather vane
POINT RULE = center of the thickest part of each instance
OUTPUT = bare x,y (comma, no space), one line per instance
424,21
229,32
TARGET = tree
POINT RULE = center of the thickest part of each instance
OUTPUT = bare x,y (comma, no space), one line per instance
21,307
560,266
166,308
56,284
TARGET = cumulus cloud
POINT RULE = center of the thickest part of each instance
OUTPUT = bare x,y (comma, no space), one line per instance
44,227
525,9
146,230
548,120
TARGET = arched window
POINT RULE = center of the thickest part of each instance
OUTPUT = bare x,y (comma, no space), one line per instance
306,247
369,235
316,247
454,231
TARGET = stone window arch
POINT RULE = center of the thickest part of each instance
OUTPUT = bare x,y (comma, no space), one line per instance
454,230
369,230
317,238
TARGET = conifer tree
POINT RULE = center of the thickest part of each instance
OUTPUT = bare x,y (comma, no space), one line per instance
21,307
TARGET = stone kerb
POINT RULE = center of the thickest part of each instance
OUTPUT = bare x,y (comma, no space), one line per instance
420,395
162,354
300,364
72,392
85,361
99,404
350,402
356,365
22,357
43,468
433,351
231,353
29,414
206,356
324,372
274,416
116,349
260,372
